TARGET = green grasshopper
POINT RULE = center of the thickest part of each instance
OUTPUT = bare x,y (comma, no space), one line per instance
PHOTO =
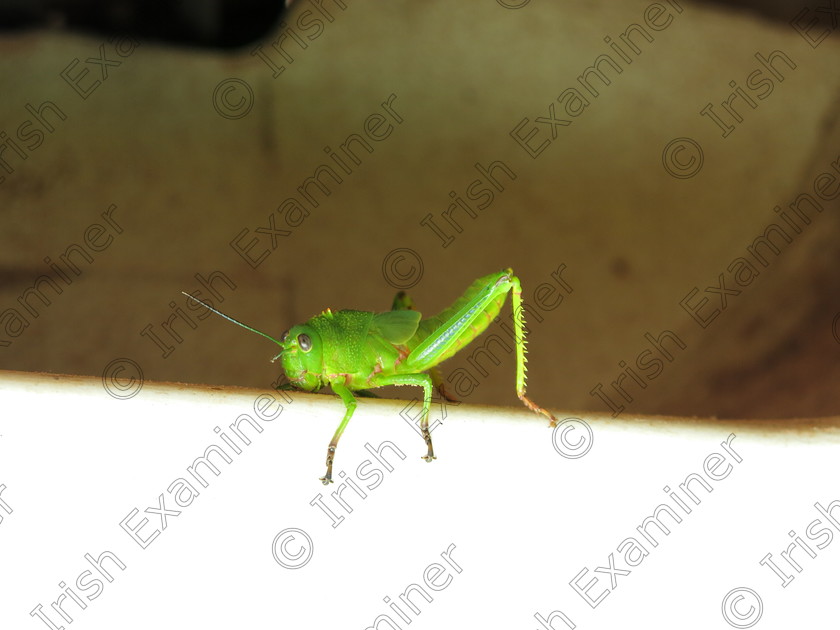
359,350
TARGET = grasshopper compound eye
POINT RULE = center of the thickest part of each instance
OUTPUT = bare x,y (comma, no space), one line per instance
304,342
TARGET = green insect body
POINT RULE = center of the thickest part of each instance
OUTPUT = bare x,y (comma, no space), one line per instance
359,350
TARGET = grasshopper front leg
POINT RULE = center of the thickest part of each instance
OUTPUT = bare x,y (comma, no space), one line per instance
420,380
350,408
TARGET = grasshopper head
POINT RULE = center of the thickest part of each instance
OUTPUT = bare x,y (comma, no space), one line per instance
301,357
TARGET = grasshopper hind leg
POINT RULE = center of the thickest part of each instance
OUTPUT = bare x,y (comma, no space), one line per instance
519,338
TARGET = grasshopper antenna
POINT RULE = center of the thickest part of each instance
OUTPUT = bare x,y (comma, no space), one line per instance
235,321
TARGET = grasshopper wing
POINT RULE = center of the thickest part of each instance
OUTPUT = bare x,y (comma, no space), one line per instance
396,327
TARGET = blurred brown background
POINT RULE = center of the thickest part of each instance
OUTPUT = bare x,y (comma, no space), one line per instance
205,150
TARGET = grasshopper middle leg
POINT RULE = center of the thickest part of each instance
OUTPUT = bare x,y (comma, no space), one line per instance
420,380
403,302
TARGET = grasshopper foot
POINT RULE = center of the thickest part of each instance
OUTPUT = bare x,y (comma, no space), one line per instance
428,438
327,478
552,421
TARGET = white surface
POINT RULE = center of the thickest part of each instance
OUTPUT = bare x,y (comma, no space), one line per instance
519,520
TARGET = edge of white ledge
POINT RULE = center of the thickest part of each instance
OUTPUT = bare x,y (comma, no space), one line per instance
81,387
